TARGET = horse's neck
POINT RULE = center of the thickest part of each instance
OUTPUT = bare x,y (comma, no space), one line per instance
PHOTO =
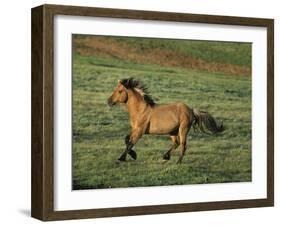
137,107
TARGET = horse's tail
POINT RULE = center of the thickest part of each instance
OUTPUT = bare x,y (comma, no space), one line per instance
203,120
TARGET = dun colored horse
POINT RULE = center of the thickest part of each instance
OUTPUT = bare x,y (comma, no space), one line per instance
147,117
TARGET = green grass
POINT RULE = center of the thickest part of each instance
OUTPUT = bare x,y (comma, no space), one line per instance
99,131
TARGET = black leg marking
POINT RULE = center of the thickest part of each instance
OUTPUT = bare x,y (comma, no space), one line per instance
133,154
167,156
128,150
123,157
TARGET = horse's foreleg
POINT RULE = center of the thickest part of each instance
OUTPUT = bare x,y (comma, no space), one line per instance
130,141
175,141
129,147
124,154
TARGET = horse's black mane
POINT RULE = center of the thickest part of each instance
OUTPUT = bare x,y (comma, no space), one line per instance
131,83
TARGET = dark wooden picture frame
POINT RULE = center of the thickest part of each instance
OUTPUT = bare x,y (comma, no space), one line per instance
42,203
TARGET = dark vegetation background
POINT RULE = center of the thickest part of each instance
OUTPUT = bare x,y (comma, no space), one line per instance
210,76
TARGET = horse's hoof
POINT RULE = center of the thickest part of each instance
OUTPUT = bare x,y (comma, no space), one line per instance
122,158
166,157
179,162
133,154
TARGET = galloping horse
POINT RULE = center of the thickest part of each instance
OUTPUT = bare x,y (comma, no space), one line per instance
147,117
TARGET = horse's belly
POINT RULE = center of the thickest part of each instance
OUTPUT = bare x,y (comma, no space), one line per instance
163,124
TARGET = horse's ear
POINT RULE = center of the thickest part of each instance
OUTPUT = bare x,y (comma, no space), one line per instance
124,82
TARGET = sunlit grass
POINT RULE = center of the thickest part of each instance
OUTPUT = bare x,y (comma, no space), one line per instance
99,132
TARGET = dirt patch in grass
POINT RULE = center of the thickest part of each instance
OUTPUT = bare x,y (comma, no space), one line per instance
108,47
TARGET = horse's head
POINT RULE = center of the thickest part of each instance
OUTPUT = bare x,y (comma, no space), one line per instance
119,95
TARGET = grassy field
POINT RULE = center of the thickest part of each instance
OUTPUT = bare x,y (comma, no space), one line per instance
99,131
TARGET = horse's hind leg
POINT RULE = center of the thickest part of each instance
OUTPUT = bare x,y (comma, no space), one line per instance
183,130
175,141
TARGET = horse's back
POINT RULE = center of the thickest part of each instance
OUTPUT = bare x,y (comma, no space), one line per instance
177,108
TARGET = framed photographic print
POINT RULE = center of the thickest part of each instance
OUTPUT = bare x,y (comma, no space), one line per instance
141,112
